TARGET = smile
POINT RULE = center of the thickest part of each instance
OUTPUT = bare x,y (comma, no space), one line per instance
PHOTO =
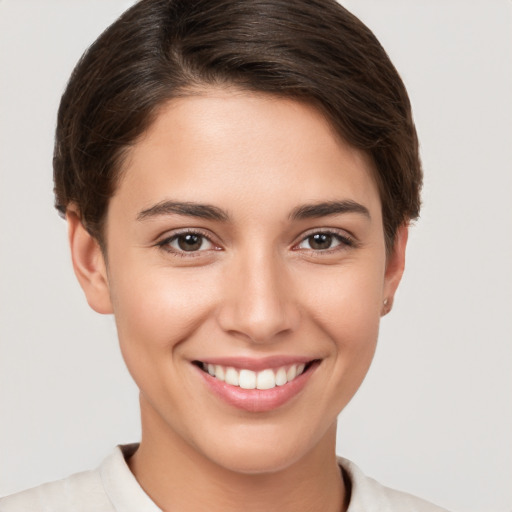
257,385
248,379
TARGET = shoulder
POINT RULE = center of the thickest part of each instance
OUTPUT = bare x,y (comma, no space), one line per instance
368,495
80,492
109,488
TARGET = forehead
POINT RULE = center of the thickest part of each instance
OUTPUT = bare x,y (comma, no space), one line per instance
237,147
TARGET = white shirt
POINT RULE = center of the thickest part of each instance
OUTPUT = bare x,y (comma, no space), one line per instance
113,488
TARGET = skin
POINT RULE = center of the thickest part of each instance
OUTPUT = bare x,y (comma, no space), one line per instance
258,288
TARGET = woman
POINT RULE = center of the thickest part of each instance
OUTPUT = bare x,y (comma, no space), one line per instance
238,178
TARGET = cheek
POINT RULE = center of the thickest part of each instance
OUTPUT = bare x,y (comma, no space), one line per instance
156,312
157,308
346,307
347,299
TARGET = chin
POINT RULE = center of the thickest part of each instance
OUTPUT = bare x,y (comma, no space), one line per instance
258,451
256,461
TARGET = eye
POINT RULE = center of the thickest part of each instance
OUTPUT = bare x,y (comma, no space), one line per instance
187,242
323,241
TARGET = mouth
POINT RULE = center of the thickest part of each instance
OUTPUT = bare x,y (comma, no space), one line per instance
264,379
257,385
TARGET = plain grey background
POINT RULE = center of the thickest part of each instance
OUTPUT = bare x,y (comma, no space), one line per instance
434,415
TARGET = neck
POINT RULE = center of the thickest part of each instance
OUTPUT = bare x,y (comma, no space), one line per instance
177,477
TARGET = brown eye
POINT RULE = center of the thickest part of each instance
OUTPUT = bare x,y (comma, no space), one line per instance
320,241
187,242
190,242
324,241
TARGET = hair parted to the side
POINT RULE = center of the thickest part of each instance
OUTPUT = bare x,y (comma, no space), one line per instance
311,50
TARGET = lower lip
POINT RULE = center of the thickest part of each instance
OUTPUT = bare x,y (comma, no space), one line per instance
257,400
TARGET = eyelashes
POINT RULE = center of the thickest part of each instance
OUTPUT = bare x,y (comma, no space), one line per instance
324,241
188,243
194,242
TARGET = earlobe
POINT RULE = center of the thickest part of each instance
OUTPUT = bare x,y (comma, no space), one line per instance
394,268
88,264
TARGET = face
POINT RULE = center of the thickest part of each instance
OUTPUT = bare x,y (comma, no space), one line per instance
247,272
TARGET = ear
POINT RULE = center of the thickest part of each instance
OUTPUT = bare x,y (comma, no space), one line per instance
88,264
394,268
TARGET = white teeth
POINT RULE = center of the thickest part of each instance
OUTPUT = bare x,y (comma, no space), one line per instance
266,380
292,372
231,377
219,372
247,379
281,379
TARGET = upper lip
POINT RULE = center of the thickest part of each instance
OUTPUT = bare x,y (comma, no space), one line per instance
258,364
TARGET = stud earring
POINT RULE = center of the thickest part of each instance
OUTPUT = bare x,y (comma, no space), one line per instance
386,306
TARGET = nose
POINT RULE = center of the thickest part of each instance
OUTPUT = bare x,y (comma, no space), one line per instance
258,301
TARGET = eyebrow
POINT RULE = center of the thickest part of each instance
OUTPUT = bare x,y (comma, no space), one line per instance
210,212
322,209
201,211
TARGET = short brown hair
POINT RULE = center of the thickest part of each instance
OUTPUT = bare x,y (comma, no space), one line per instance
311,50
